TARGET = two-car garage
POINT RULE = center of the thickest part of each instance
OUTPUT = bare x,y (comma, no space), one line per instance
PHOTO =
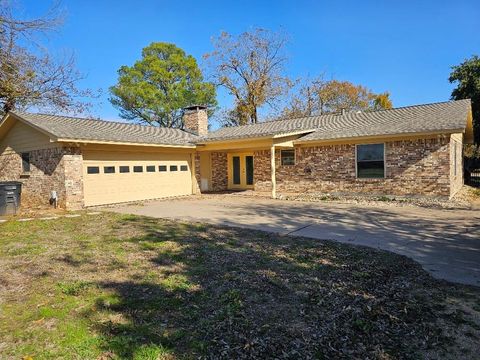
86,162
120,176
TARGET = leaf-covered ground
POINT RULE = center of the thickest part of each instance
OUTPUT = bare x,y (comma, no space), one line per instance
114,286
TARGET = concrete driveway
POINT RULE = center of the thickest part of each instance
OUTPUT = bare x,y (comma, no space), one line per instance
445,242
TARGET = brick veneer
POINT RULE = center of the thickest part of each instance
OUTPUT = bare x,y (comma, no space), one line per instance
196,185
413,167
58,169
73,167
219,171
261,170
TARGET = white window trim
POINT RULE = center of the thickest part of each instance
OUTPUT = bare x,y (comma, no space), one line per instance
384,161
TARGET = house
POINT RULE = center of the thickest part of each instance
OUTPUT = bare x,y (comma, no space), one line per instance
408,151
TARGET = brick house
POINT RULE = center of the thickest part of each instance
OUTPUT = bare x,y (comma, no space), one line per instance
409,151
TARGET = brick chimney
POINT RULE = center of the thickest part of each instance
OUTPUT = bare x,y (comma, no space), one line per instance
195,119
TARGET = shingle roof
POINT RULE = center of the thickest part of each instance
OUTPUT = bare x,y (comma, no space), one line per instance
444,116
63,127
269,128
428,118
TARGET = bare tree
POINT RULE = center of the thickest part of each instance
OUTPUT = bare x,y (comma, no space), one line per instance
319,96
251,67
29,75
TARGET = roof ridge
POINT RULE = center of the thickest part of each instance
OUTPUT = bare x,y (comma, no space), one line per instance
99,120
417,105
350,112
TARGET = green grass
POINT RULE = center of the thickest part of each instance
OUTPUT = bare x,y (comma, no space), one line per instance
128,287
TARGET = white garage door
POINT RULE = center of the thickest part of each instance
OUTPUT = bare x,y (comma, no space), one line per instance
114,177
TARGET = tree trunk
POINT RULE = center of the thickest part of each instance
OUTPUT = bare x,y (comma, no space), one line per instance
9,105
254,115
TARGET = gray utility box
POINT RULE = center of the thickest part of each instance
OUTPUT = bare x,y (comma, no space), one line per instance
10,197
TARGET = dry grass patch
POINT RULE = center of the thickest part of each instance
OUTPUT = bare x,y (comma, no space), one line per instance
115,286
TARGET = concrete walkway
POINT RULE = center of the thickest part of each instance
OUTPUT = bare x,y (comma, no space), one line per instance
445,242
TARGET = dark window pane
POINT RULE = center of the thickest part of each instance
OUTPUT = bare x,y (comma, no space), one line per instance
249,170
151,168
371,152
173,168
162,168
124,169
370,161
183,168
138,169
287,157
26,162
370,169
93,170
236,170
109,169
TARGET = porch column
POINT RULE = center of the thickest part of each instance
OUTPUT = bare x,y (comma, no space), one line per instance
272,170
194,170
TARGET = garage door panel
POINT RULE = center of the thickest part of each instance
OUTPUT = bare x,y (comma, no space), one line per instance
107,188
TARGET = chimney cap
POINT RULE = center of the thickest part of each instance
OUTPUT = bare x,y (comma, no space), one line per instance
195,107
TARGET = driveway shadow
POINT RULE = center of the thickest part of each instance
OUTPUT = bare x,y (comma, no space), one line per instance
446,243
216,292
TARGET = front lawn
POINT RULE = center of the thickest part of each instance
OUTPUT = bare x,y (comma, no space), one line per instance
110,286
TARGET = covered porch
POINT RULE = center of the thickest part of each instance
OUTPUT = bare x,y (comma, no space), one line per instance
243,165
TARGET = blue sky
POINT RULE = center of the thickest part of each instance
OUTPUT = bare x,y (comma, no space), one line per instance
404,47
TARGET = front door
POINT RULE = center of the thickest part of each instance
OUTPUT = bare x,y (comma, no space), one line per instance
240,174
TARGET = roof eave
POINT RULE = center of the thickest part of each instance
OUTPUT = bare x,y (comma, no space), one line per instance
381,136
253,138
124,143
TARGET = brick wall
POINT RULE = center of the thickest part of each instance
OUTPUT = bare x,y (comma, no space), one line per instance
196,185
219,171
73,167
56,169
262,179
413,167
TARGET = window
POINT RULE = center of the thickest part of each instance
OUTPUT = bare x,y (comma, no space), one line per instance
93,170
124,169
138,169
173,168
109,169
26,162
183,168
371,161
162,168
151,168
287,157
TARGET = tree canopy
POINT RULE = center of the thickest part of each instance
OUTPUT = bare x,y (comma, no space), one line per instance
29,75
467,78
157,88
251,67
319,97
